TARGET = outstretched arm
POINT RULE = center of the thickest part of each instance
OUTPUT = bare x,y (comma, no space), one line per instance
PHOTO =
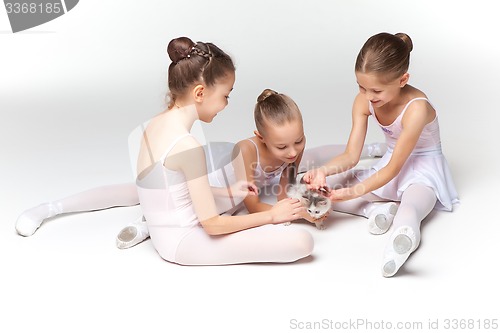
414,120
188,156
350,157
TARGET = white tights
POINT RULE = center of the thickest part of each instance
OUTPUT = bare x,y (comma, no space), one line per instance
317,156
118,195
362,206
268,243
416,203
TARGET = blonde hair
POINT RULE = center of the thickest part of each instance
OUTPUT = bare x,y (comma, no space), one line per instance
274,108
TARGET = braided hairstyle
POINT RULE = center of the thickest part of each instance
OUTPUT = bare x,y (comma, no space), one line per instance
386,54
194,63
274,108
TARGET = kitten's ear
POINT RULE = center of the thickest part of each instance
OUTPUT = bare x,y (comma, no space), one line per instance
323,203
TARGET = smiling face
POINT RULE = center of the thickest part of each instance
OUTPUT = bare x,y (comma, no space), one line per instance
286,141
379,92
215,98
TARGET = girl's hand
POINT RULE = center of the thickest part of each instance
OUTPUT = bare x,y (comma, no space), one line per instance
306,216
286,210
242,188
316,179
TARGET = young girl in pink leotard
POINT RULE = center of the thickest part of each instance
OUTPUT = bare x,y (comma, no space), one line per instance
413,171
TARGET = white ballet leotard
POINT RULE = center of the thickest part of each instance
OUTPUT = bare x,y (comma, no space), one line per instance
263,178
165,203
178,236
426,164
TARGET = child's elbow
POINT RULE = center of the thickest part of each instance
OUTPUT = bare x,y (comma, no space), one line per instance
213,231
351,159
212,226
353,163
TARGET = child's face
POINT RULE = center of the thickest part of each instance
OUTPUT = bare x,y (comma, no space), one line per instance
376,91
286,141
215,98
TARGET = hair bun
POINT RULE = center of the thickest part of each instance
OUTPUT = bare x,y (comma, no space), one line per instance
179,48
406,39
265,94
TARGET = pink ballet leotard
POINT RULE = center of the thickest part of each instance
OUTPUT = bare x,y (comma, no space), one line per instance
426,164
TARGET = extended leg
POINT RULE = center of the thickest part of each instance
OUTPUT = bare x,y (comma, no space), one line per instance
379,212
317,156
94,199
416,203
269,243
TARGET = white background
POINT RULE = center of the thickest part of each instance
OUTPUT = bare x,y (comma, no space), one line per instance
71,91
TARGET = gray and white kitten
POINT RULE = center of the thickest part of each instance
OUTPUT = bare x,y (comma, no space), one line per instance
315,202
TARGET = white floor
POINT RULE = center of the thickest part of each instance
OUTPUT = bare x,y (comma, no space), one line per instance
66,132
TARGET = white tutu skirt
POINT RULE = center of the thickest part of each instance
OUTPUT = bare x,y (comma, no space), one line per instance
429,168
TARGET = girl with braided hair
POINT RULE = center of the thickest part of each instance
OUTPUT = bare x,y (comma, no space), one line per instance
172,185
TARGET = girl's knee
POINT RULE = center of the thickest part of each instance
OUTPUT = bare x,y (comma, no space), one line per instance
303,243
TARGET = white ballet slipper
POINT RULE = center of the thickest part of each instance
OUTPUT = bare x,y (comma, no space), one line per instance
30,220
401,244
381,218
133,234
